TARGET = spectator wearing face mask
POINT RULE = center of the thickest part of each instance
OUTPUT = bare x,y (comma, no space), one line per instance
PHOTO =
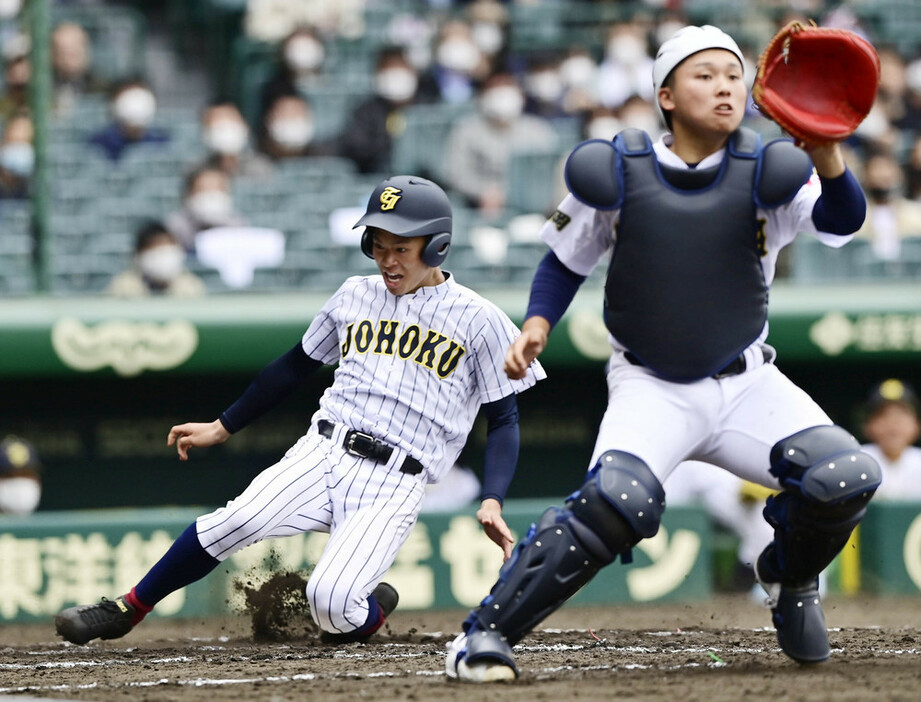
480,145
891,216
226,136
301,57
377,122
544,88
158,268
17,158
459,65
207,203
289,130
626,67
132,106
20,477
579,74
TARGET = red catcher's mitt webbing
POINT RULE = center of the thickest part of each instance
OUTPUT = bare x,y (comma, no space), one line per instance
817,83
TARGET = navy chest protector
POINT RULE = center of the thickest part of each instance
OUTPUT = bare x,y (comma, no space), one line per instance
685,291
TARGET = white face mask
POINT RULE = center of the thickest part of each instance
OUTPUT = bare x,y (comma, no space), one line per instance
578,71
649,123
304,54
210,206
19,496
18,158
9,8
546,86
396,84
488,37
162,264
603,128
291,133
503,104
626,49
135,107
458,55
226,137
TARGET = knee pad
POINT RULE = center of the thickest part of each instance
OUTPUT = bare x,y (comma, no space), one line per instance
620,487
620,503
827,483
825,465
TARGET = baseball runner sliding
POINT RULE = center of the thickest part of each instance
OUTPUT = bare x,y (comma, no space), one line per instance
418,354
693,224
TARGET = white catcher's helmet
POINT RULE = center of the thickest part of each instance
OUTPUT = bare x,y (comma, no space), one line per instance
683,43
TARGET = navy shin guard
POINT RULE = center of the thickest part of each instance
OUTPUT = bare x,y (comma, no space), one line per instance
620,503
827,483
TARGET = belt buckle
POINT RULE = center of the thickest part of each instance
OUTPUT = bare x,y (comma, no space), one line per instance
350,440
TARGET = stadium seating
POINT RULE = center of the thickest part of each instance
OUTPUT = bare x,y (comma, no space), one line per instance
97,204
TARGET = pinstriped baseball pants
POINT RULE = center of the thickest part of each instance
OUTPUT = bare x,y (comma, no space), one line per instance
368,509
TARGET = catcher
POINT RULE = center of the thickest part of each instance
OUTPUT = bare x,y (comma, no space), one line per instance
693,224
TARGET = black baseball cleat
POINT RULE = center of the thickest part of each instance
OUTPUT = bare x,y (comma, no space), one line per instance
387,597
107,619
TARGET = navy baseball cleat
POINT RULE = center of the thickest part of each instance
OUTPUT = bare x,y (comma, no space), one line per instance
387,597
107,619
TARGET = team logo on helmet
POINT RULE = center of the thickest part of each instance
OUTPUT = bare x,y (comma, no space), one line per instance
389,197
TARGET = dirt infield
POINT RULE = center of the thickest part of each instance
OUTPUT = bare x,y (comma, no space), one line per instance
722,649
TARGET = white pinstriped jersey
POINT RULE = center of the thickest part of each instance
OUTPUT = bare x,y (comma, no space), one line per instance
415,368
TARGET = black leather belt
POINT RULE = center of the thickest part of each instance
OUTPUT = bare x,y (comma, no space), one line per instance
360,444
734,367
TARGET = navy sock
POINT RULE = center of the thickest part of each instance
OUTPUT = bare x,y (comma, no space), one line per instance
184,563
375,618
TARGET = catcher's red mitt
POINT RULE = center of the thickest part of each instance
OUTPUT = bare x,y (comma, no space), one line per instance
817,83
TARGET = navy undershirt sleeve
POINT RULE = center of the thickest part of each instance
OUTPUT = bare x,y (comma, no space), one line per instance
273,384
552,290
502,442
842,206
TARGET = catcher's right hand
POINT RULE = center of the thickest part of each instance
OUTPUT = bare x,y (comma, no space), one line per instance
817,83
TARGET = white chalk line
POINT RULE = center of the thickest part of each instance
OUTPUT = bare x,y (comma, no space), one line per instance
405,651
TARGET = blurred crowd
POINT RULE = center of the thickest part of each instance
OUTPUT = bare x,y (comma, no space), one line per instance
501,81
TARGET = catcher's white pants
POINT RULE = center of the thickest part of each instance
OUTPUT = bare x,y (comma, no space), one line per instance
732,422
368,509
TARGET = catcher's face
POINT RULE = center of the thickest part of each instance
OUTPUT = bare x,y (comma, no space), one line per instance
706,93
400,262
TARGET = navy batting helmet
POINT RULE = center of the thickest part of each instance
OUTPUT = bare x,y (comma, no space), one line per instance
410,206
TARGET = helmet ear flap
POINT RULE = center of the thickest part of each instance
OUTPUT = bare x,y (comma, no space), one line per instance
367,242
436,249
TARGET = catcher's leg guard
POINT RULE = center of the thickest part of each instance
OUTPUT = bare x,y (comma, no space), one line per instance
620,503
827,483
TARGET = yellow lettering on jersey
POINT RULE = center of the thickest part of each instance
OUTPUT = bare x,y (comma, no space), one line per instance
386,335
426,355
389,198
409,340
364,335
762,238
347,344
449,359
387,339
